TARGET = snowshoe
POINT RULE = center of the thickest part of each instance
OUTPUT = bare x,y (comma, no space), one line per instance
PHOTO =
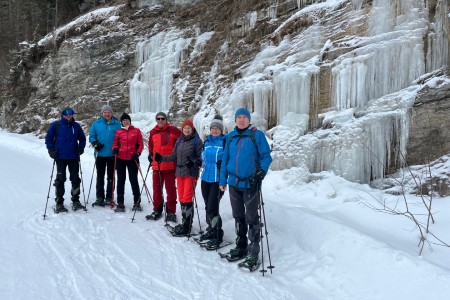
60,208
76,205
251,262
171,217
154,216
99,202
208,235
234,254
120,209
215,244
178,233
109,202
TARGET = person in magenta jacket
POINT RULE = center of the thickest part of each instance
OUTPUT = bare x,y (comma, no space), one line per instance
127,147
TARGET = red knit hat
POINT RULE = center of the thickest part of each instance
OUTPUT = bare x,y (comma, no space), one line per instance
187,123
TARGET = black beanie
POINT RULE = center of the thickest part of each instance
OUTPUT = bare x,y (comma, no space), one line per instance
125,116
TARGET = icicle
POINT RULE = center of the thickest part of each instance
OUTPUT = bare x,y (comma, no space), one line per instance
157,58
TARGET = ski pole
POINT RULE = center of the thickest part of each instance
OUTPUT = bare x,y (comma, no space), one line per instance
145,185
113,183
49,186
263,271
140,196
265,231
92,177
148,170
162,192
82,185
194,181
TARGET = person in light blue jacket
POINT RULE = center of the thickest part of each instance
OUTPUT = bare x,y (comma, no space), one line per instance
101,136
245,162
212,159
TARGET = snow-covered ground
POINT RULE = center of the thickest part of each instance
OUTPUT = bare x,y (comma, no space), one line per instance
324,242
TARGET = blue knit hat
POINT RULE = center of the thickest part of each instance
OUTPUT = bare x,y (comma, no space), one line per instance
242,112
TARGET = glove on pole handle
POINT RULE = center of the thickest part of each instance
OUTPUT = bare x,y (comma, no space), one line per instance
49,186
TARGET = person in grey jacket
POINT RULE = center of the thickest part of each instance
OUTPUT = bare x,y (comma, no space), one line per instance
186,155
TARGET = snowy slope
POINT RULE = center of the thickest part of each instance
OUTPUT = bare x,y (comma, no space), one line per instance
324,243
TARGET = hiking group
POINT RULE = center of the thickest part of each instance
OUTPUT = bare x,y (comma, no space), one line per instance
239,160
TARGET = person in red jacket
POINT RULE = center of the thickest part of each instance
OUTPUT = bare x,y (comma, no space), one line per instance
127,147
162,140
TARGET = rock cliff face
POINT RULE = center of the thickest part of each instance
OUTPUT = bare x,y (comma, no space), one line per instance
304,65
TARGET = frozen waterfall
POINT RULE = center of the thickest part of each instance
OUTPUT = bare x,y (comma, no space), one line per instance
158,58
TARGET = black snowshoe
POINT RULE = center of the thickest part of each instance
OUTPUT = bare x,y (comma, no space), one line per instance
251,263
60,208
120,209
154,216
234,254
76,205
99,202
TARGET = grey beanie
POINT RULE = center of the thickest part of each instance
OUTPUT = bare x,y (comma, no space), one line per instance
217,122
161,114
106,107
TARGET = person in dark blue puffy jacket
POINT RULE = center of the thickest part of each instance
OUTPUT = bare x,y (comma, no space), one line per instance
65,141
212,159
245,162
101,136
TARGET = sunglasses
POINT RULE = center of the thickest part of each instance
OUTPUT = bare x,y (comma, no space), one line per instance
68,112
161,119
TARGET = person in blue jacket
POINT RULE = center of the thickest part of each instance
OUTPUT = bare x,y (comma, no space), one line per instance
65,141
245,162
211,159
101,136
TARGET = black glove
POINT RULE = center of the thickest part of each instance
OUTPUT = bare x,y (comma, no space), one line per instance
256,179
150,159
135,156
219,164
80,150
158,157
115,151
189,164
98,146
53,153
260,174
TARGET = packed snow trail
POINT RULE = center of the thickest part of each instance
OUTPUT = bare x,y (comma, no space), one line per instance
318,245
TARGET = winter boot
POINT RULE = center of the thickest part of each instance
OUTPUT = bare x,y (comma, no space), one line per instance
60,208
108,202
251,261
120,208
76,205
238,252
154,216
137,207
99,202
187,212
171,217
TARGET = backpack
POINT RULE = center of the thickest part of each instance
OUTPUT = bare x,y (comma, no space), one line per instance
55,131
